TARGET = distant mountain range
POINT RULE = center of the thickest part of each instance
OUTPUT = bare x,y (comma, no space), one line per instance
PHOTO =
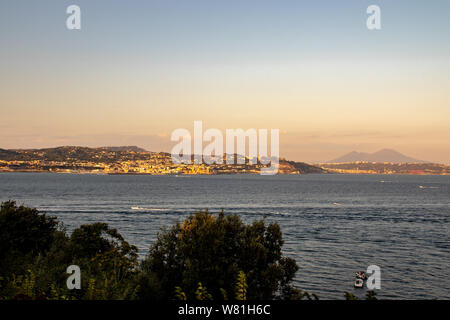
384,155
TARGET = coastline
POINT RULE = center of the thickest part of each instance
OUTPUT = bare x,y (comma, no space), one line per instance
216,174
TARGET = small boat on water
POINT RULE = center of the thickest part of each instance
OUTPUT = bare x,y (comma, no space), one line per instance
360,277
359,283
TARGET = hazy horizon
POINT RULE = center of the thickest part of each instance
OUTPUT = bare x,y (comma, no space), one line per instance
300,160
138,70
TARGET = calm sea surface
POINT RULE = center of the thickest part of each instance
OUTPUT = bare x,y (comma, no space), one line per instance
333,225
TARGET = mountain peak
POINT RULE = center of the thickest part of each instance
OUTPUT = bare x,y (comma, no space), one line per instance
383,155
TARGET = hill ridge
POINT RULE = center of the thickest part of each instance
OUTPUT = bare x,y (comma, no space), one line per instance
382,155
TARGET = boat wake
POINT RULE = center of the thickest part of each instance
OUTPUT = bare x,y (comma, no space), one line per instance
147,209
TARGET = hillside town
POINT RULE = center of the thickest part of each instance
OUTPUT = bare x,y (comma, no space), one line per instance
129,160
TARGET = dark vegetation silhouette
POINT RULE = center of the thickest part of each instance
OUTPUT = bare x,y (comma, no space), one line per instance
204,257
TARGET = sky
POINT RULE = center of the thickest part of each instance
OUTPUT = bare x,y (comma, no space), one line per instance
138,70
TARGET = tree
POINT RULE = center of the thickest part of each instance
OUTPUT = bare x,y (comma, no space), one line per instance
35,253
108,261
212,250
24,234
204,257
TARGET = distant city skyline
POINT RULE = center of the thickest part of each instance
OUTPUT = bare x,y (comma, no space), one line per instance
137,70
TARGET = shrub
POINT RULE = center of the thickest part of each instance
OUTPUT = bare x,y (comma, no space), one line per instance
213,250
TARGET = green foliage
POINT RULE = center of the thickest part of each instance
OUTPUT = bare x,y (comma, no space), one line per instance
90,292
108,261
35,255
202,293
371,295
24,233
241,286
296,294
349,296
221,253
179,294
224,294
23,287
213,249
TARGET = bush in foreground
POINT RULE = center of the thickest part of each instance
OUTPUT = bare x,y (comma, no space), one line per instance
216,251
35,252
204,257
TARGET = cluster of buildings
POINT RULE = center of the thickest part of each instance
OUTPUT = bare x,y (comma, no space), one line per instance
133,160
366,167
153,166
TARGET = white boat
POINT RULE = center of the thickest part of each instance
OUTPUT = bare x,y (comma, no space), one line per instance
359,283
